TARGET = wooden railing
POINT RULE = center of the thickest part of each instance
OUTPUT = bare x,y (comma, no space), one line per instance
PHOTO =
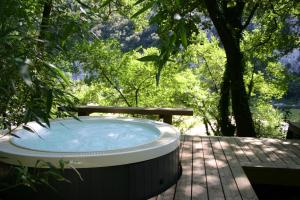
164,113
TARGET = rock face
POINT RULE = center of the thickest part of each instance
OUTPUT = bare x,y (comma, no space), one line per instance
292,61
122,29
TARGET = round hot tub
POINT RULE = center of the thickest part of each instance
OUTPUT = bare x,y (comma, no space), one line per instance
117,158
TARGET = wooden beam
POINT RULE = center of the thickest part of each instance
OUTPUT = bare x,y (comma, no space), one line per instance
165,113
135,110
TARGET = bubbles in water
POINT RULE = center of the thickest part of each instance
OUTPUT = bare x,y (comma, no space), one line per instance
88,135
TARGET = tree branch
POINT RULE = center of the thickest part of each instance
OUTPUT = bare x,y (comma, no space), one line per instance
47,7
266,40
210,73
83,4
115,87
251,84
249,18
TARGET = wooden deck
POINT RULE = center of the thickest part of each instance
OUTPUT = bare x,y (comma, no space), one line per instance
213,166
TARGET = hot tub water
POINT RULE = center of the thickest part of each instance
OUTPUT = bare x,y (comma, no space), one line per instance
87,135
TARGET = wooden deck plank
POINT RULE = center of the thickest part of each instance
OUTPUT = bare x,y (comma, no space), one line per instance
248,151
286,151
236,149
269,150
199,184
258,151
168,194
240,177
214,185
292,146
280,152
184,187
213,166
228,182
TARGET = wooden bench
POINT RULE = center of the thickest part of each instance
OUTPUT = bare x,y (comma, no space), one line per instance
164,113
293,131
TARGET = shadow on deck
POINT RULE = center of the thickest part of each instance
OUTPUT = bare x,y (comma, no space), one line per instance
225,167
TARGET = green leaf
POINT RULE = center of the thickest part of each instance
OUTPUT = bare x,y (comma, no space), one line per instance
14,135
178,2
61,164
46,120
183,35
83,4
27,128
50,165
45,182
138,2
231,3
158,73
49,101
77,172
37,163
105,3
57,71
153,58
146,7
38,119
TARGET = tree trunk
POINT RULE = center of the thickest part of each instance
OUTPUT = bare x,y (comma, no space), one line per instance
240,104
227,128
47,7
227,21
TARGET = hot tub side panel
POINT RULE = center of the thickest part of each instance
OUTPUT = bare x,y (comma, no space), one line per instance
136,181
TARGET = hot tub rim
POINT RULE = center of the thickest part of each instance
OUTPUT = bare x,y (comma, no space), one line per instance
168,141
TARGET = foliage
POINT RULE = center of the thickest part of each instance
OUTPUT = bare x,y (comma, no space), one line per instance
268,120
193,79
178,20
35,177
30,84
33,84
294,115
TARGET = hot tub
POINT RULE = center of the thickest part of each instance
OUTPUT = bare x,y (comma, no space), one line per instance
118,158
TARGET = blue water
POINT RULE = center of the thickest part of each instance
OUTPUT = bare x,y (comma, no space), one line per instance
87,135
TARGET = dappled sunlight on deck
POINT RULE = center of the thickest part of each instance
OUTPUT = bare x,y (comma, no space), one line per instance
213,167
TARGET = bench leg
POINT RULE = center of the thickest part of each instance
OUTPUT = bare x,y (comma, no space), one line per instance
83,113
167,118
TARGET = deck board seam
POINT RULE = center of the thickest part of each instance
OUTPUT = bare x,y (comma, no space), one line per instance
230,168
270,159
243,149
181,152
249,146
204,169
293,155
217,169
286,159
245,192
259,152
234,154
192,178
